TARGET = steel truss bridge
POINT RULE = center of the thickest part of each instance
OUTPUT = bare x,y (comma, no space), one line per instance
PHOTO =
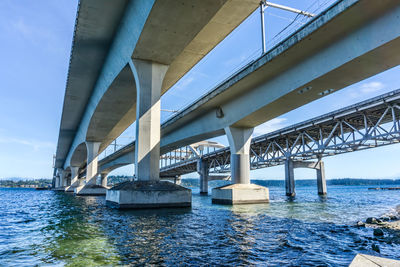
368,124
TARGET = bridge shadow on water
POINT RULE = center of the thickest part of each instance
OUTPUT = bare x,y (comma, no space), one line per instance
83,231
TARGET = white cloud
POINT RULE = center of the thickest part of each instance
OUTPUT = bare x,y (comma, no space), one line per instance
36,145
371,87
269,126
367,88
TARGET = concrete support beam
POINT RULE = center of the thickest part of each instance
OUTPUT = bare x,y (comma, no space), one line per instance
63,179
178,180
239,141
90,188
241,191
74,179
321,181
57,182
289,178
148,77
202,169
290,165
92,158
104,179
148,191
59,178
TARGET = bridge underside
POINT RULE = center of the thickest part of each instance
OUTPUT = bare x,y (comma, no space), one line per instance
349,42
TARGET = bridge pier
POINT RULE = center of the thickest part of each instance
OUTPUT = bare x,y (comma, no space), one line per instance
104,181
58,178
240,191
321,181
290,165
202,170
59,181
289,178
74,179
90,187
148,191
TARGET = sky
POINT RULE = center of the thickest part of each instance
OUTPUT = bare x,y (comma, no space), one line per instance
35,44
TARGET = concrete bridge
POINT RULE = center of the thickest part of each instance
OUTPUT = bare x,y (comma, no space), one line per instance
125,76
368,124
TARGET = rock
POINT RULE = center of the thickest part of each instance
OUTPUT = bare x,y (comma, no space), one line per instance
378,232
360,224
376,248
385,219
393,217
371,220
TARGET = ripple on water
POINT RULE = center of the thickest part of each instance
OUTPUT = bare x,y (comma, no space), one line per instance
44,227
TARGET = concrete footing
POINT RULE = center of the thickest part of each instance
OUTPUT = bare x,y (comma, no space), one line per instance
240,194
59,189
70,189
362,260
90,190
148,194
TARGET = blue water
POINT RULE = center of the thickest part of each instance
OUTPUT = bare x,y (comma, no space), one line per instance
54,228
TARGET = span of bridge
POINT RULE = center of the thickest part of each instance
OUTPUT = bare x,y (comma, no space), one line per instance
350,41
368,124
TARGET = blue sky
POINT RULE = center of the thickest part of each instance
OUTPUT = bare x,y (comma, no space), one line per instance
35,45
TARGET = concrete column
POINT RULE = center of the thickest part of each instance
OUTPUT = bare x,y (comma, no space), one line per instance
91,168
57,181
178,180
64,179
239,142
240,191
104,179
148,77
321,182
202,169
289,178
74,175
58,178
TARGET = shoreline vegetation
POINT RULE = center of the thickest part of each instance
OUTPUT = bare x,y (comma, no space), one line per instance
383,184
25,183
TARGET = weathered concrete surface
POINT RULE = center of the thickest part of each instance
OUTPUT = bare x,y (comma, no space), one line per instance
149,77
202,170
148,194
90,190
108,35
362,260
344,36
336,49
74,179
239,144
240,194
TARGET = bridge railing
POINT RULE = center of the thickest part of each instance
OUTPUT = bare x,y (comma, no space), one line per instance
369,125
188,154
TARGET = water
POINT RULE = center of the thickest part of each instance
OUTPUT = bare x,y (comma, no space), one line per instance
54,228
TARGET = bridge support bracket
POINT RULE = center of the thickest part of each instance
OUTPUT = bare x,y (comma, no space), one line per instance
148,195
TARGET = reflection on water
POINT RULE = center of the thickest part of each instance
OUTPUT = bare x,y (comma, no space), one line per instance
44,227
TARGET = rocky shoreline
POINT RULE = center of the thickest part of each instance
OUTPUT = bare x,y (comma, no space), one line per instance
385,228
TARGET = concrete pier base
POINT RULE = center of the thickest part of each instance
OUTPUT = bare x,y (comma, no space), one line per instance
90,190
362,260
59,189
148,194
240,194
70,189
